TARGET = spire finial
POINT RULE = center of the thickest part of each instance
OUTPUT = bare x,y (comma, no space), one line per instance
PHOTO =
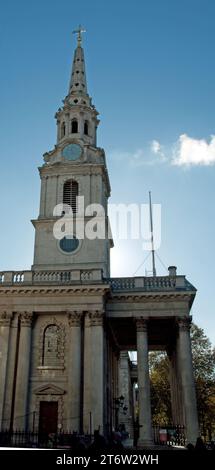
79,32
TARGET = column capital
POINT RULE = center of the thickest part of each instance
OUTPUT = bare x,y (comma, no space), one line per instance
94,318
87,319
97,317
184,323
26,318
142,324
74,318
5,318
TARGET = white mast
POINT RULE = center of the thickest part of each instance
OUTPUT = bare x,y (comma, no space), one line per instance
152,236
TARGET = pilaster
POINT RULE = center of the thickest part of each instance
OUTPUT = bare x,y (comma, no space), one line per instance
94,371
22,381
5,321
74,371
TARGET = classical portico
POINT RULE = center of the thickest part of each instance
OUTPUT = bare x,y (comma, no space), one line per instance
66,326
100,321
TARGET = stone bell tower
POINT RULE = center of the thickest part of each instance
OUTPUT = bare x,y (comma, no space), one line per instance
66,326
75,167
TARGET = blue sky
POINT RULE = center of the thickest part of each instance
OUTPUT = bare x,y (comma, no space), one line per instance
151,73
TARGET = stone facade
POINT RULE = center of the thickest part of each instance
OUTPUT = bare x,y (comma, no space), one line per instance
66,327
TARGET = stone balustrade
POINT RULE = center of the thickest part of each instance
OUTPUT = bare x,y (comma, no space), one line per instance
152,283
158,283
50,277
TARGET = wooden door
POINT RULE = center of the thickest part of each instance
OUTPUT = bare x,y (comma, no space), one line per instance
48,417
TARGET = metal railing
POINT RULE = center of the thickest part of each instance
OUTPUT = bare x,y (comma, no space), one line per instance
27,439
171,435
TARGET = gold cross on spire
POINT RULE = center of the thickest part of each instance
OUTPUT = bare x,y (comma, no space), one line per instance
79,32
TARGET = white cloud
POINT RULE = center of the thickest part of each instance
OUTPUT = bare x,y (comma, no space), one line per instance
155,146
193,152
157,149
185,152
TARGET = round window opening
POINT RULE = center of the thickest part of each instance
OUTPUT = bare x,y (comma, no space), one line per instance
68,245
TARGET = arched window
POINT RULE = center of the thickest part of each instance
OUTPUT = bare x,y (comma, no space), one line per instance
74,126
70,193
63,129
52,346
86,127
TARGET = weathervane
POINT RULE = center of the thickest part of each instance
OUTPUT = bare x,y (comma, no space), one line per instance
79,32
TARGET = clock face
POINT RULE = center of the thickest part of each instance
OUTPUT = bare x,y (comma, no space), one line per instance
72,152
68,245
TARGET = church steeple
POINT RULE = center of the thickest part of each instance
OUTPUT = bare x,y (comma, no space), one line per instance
78,117
78,82
74,168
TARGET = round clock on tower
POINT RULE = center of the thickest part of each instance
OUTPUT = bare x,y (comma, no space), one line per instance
75,167
72,152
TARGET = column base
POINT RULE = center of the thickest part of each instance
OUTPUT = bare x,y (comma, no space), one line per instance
142,443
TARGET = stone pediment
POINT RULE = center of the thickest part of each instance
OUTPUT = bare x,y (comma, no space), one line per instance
49,389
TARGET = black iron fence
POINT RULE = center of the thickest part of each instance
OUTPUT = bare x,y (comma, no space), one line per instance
62,440
170,435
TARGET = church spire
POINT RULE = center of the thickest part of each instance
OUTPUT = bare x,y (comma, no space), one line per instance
78,118
78,82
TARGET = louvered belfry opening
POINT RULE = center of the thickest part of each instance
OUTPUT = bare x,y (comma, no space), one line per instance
74,126
70,193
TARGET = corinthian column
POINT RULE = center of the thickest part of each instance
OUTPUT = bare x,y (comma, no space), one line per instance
187,379
97,384
5,320
93,371
145,427
125,389
22,381
74,372
87,411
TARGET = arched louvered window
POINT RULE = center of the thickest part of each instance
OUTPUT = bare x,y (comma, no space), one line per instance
52,346
86,127
70,193
63,129
74,126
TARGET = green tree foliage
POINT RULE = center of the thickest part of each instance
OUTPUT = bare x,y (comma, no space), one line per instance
203,354
204,372
160,388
